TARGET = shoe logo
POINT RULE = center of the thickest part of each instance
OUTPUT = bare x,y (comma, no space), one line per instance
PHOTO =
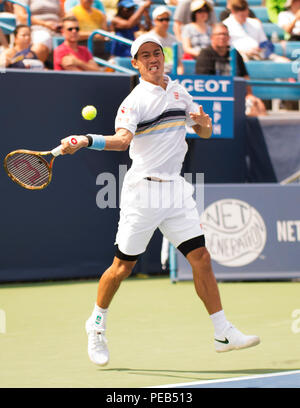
226,341
98,319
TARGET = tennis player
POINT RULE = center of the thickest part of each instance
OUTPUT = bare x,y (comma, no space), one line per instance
151,120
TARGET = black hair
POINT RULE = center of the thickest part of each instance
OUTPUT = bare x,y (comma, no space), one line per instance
204,8
18,28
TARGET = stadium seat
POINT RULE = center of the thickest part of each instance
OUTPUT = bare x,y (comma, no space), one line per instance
292,49
279,49
270,28
269,72
261,13
289,49
218,11
124,62
56,41
189,67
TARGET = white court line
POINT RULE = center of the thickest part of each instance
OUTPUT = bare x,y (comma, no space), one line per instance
226,379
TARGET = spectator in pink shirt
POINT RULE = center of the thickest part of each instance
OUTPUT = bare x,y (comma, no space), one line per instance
69,56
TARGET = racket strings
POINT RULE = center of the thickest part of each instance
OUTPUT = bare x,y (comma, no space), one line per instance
28,169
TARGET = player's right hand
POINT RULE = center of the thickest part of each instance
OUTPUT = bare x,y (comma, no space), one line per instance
72,144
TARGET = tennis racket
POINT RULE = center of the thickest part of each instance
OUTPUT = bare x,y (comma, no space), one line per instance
30,169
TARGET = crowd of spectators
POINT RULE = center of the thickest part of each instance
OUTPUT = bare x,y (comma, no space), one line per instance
192,24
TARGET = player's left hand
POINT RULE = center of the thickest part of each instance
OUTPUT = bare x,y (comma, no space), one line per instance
201,118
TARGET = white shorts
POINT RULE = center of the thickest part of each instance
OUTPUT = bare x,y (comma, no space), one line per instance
149,205
41,35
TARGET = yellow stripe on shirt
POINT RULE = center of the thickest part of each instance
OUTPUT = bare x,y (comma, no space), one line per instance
161,126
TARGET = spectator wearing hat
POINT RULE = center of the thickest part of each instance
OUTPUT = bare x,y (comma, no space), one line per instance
182,16
289,20
196,35
127,23
161,18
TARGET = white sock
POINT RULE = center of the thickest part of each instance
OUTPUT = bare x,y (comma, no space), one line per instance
99,316
220,322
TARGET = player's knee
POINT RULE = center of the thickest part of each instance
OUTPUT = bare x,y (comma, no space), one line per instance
124,271
121,271
200,258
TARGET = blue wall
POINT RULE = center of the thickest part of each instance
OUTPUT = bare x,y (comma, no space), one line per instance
60,232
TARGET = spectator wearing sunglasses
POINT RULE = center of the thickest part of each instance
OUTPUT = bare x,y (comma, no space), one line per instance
127,24
161,18
70,56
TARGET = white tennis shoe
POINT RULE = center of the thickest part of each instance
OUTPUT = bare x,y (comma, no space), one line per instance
233,339
97,344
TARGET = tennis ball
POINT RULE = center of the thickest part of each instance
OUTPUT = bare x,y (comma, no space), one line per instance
89,112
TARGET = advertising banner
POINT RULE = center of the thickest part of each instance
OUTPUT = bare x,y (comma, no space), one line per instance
252,232
216,94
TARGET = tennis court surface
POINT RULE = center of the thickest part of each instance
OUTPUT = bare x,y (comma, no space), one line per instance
159,335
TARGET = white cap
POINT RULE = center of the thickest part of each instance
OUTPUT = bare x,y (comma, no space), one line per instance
198,4
142,39
160,10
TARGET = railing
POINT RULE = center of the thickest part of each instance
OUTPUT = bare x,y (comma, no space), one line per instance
103,62
127,42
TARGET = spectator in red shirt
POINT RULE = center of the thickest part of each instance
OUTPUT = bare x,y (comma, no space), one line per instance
69,56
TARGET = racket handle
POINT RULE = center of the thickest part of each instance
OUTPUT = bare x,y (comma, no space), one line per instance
57,150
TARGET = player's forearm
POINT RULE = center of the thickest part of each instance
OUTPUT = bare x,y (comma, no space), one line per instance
118,142
88,66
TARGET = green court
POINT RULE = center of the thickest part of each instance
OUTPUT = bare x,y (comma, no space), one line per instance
159,333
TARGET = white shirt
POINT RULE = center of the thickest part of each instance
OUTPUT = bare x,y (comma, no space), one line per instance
247,36
157,118
287,17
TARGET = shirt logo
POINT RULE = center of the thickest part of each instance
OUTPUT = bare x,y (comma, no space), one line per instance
176,95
